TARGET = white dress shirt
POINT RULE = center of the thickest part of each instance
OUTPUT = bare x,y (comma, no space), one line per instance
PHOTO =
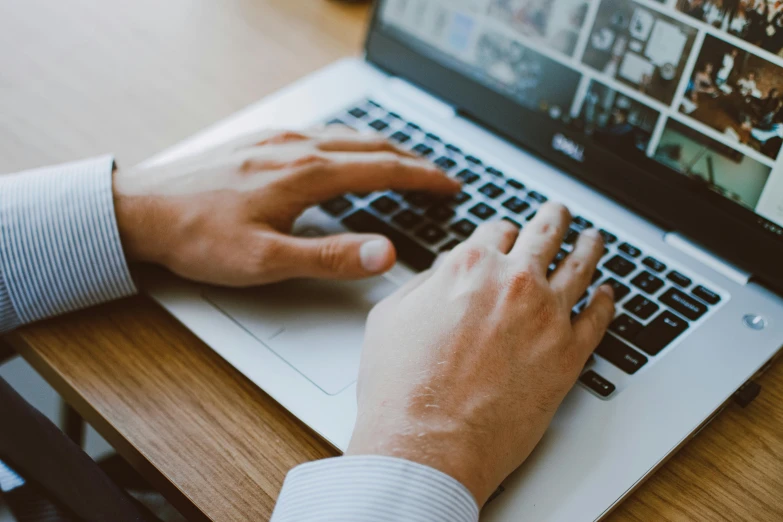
60,251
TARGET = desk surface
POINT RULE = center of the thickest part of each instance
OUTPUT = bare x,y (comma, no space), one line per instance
81,78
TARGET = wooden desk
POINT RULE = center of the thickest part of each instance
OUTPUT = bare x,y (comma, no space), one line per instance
81,78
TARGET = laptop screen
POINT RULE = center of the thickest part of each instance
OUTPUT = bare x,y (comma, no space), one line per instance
695,86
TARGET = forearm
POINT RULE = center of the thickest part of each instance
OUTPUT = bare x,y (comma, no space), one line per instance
60,248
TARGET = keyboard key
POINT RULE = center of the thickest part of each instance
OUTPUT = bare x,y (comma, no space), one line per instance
597,383
653,264
440,213
596,276
562,254
609,238
400,137
620,266
531,216
461,198
641,307
515,223
335,121
626,327
450,245
571,236
647,282
679,279
468,177
358,113
379,125
494,172
538,197
431,234
445,163
433,137
620,290
407,219
491,190
423,150
337,206
683,304
706,295
375,104
453,148
385,205
516,205
483,211
394,115
463,228
473,159
582,222
420,199
413,126
660,333
630,250
515,184
408,250
621,355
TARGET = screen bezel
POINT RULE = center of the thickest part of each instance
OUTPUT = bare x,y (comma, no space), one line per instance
708,219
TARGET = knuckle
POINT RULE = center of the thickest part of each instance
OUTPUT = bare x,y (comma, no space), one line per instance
330,256
545,313
468,257
521,284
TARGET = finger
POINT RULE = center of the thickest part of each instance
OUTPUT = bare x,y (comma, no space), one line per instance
361,172
575,273
343,256
500,235
361,143
590,326
541,239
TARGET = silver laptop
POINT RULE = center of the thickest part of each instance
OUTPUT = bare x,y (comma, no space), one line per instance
662,128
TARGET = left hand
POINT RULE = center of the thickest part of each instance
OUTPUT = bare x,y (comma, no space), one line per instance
225,216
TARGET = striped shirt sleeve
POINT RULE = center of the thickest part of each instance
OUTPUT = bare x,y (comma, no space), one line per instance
372,489
60,248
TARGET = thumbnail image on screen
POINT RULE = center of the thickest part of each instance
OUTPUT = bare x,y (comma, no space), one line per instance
615,121
639,47
758,22
738,94
536,81
554,23
718,167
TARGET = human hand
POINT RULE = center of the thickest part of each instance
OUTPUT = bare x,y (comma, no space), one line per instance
225,216
464,367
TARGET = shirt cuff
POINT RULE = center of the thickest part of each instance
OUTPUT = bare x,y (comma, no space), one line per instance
372,488
60,247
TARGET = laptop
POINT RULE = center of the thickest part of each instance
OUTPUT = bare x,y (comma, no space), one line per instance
659,126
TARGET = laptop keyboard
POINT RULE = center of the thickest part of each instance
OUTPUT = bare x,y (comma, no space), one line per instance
656,304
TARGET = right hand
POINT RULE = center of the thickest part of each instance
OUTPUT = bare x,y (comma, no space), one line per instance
464,368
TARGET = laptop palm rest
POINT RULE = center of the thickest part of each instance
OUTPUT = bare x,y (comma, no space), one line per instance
317,327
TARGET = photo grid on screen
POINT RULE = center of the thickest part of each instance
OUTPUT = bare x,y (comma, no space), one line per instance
696,85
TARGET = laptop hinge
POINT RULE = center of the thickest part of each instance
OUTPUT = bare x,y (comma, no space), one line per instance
419,98
719,265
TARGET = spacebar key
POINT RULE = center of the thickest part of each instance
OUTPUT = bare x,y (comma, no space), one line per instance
408,251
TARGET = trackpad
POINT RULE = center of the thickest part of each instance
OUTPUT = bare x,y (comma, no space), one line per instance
315,326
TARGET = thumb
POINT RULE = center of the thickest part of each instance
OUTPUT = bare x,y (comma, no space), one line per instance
343,256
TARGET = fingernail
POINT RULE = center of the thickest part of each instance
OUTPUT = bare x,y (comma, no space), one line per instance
374,255
608,290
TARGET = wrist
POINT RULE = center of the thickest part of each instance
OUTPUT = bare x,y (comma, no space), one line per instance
136,221
447,451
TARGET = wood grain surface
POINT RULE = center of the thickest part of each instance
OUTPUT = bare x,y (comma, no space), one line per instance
86,77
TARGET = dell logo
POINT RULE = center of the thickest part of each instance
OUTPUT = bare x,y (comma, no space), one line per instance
568,147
